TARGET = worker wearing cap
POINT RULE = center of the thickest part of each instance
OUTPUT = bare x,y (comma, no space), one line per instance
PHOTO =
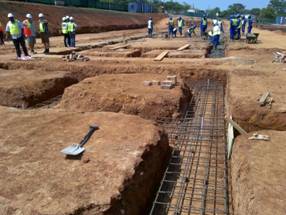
65,31
171,27
181,24
1,34
14,28
204,25
71,30
150,27
30,32
44,32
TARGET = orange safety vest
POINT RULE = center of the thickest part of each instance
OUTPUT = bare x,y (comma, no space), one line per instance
27,28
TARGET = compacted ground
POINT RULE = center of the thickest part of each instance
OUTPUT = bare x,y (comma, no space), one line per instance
128,94
113,176
258,174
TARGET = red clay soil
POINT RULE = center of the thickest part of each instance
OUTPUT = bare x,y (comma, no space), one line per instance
258,175
112,53
88,20
178,54
244,90
25,88
126,93
117,173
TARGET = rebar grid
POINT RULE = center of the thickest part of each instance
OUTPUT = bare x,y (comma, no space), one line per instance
195,180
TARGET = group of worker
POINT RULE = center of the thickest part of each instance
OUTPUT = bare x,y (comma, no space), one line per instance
68,30
23,34
238,25
174,27
25,31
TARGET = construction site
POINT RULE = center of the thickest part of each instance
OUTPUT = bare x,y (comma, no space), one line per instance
178,127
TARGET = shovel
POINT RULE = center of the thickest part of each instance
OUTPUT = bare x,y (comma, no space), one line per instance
77,149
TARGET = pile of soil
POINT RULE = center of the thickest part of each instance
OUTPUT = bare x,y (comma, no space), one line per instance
118,172
88,20
258,175
25,88
244,90
127,94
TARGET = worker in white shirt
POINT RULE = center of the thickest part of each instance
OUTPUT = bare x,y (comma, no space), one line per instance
150,27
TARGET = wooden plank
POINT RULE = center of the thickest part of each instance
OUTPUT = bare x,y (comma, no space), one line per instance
263,98
236,126
230,139
120,46
183,47
161,56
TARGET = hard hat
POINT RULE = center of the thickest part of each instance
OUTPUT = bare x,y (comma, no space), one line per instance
64,18
71,18
67,17
29,16
10,15
41,15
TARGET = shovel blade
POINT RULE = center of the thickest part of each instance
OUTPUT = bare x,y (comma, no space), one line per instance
73,150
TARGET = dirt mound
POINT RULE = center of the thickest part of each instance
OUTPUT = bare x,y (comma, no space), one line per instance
258,175
25,88
88,20
117,172
244,90
126,93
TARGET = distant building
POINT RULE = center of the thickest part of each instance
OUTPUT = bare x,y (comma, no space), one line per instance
280,20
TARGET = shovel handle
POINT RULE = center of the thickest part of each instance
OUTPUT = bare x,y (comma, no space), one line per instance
92,129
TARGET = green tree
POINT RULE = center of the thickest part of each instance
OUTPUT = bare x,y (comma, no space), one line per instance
279,6
267,13
255,11
236,8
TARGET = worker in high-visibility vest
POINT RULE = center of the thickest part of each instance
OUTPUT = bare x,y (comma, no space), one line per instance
14,28
71,30
216,34
1,34
181,24
234,23
204,25
30,32
65,31
44,33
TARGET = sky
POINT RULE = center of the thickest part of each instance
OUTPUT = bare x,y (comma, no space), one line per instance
223,4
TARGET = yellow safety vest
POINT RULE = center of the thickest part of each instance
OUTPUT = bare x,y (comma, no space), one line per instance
180,23
64,28
204,22
235,22
71,27
171,22
41,27
14,28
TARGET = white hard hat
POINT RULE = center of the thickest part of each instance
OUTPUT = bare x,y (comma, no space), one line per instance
64,18
71,18
41,15
29,16
67,17
10,15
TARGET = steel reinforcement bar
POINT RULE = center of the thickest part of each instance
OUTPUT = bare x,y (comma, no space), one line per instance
196,180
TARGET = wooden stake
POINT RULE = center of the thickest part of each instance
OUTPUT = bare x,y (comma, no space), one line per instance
183,47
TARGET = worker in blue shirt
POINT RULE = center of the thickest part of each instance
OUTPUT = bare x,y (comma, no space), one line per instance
250,23
204,25
234,22
243,24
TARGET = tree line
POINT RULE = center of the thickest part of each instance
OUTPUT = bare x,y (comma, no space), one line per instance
274,8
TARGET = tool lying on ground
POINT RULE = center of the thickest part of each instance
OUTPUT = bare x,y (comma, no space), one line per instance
257,136
279,57
77,149
265,99
74,57
251,38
